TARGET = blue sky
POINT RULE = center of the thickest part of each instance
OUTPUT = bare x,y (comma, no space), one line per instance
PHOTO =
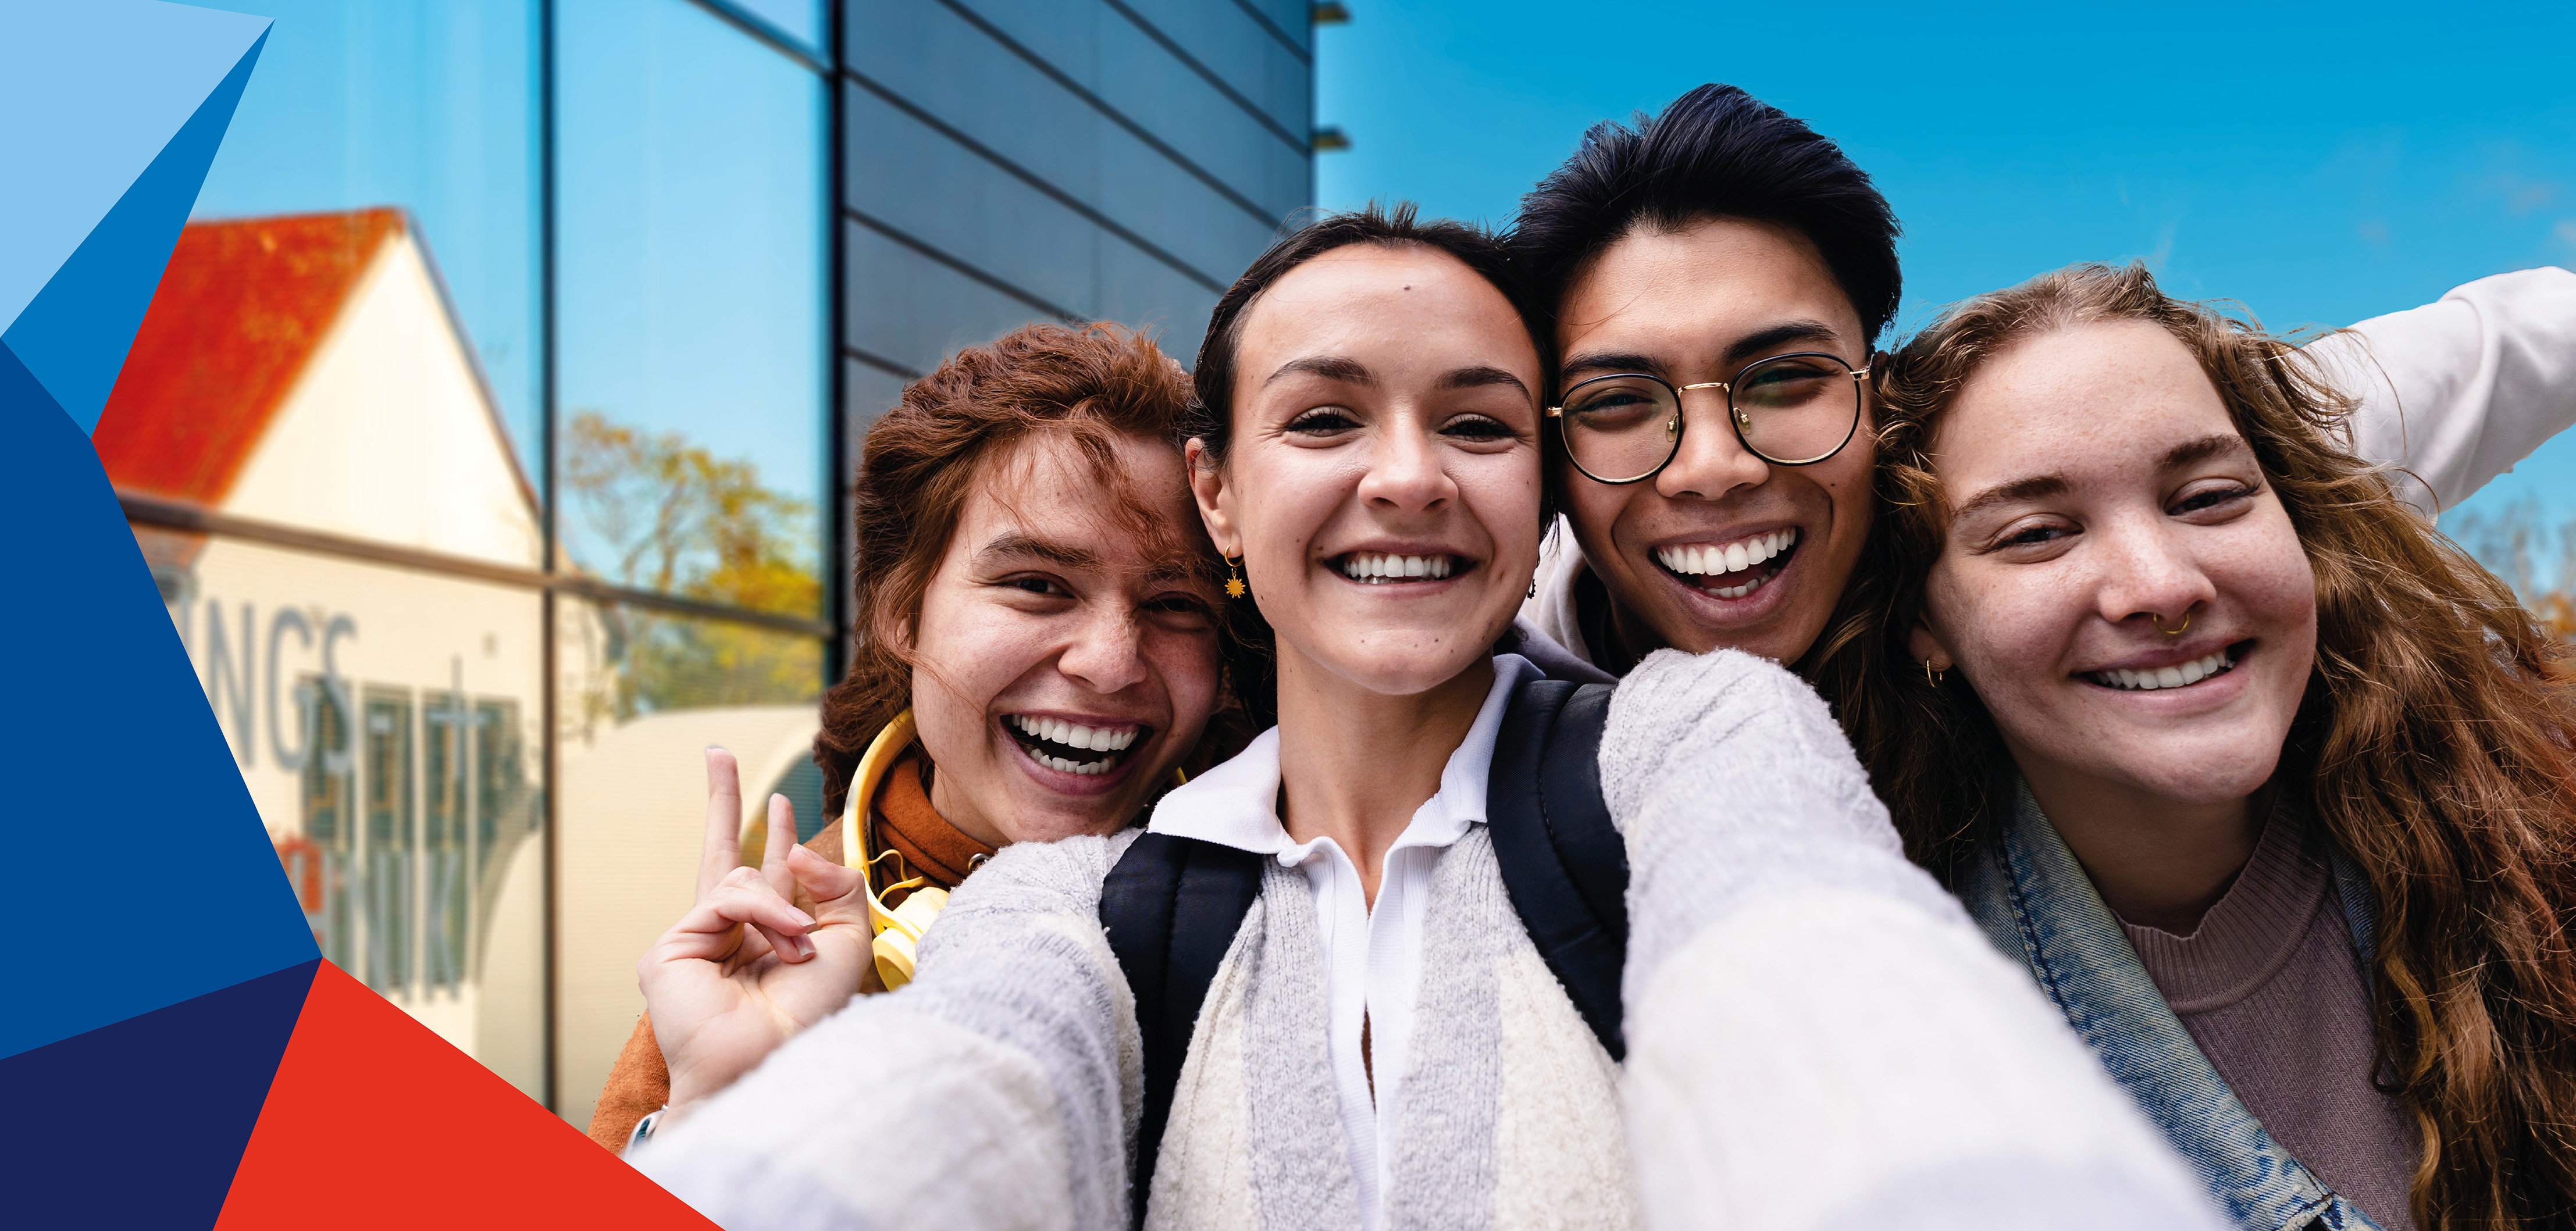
2320,164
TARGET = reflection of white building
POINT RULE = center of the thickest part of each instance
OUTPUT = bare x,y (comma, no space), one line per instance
352,555
304,374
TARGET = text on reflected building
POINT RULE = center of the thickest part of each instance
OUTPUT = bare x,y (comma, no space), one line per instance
409,800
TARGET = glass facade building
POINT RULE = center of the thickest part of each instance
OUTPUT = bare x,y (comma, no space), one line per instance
491,430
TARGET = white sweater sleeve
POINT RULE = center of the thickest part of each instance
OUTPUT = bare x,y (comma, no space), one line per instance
994,1091
1818,1036
2457,391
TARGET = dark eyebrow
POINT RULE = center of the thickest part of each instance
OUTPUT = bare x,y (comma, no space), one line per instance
1027,545
2218,444
1746,349
1167,563
2031,488
1756,345
1606,362
1471,378
1330,367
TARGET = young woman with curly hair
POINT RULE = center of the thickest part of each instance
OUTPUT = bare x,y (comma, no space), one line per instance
1040,646
2269,784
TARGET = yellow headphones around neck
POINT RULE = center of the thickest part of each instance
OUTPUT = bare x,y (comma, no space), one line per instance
898,929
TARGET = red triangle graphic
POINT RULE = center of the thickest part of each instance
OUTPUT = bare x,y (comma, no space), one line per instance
374,1121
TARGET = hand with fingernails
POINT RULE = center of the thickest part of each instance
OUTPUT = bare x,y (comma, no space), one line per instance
745,968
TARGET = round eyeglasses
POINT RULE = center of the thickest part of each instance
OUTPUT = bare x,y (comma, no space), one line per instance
1789,410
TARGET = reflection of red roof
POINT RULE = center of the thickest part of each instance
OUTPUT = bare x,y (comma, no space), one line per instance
239,312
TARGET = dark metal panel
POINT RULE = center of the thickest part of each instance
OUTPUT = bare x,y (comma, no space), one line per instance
1141,74
935,60
1145,295
913,183
908,309
1237,46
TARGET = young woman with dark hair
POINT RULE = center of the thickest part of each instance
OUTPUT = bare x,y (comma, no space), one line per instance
2270,786
1038,650
1382,1043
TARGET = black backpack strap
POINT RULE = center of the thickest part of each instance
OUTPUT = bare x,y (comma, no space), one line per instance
1563,862
1171,908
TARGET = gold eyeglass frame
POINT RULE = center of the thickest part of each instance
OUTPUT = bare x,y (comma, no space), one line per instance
1736,418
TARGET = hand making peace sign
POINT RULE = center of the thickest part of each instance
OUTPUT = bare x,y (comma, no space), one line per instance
745,969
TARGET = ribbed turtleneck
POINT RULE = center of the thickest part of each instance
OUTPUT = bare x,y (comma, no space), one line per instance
910,826
2271,989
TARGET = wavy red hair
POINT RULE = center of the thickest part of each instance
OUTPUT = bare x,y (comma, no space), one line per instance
1084,387
2433,742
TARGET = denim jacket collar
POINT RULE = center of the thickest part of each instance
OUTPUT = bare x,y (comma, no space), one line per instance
2036,904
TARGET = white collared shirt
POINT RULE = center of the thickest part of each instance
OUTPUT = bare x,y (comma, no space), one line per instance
1372,958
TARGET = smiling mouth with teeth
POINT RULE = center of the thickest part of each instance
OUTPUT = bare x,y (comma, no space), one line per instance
2180,675
1371,568
1070,747
1731,570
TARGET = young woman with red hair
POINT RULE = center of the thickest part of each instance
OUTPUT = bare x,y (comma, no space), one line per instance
1040,646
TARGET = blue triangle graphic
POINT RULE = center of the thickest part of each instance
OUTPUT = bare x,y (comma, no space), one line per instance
107,732
20,393
74,334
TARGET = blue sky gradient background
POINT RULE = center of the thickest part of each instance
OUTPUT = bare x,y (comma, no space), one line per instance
2321,164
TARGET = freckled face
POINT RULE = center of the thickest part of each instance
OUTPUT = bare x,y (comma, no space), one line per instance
2103,492
1382,485
1695,305
1067,655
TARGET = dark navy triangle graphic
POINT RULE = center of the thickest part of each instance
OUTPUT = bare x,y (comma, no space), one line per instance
142,1123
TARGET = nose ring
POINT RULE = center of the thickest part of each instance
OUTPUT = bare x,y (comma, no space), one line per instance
2159,622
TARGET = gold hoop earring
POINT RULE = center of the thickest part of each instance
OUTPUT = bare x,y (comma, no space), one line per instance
1930,678
2159,622
1234,587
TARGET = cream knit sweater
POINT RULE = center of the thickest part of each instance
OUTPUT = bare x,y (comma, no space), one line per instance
1818,1037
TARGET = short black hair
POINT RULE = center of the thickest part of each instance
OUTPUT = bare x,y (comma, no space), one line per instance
1210,416
1716,152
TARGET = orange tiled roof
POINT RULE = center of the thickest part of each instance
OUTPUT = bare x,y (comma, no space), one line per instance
239,312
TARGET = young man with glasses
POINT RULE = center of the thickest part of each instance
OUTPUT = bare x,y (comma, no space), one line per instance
1719,277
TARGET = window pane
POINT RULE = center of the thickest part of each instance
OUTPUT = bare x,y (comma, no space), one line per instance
504,807
344,349
801,20
391,855
641,696
446,847
427,107
692,297
330,837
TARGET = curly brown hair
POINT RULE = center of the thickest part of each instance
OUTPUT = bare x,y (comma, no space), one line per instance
2433,742
1088,386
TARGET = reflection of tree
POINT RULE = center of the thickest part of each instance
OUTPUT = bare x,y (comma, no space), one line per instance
2537,560
668,516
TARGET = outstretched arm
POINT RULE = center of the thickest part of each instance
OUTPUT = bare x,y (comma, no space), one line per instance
1818,1036
990,1092
2460,390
